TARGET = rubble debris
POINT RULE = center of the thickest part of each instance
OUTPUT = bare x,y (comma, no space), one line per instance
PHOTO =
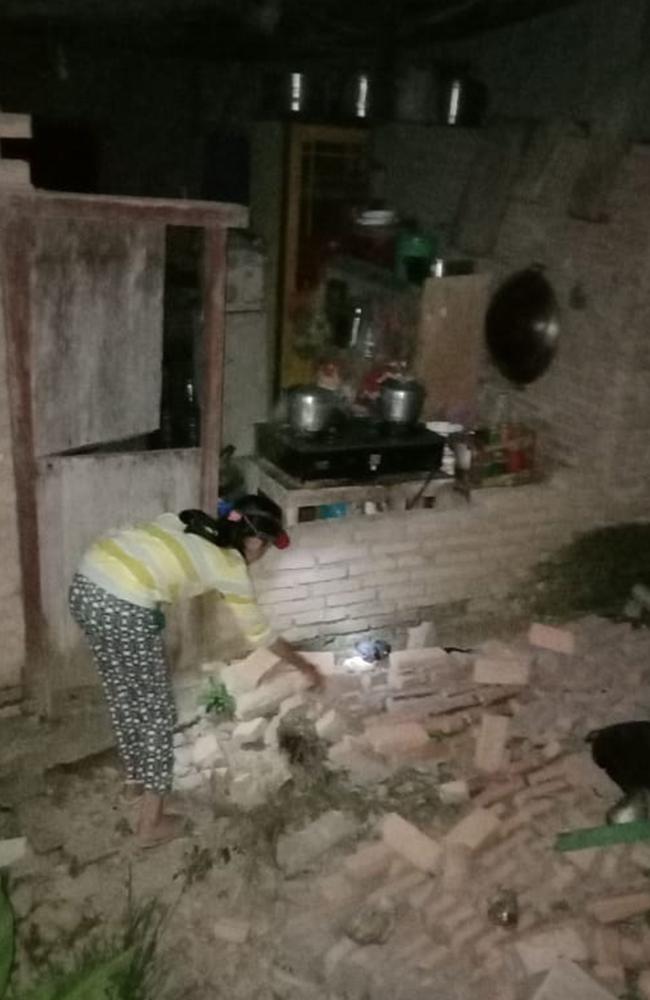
207,752
475,829
369,861
296,852
331,727
503,908
509,670
266,700
539,951
410,843
490,752
557,640
232,931
373,923
245,675
415,668
12,850
567,981
453,793
421,636
397,739
249,733
614,909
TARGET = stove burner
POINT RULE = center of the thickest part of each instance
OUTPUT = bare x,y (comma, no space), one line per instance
355,450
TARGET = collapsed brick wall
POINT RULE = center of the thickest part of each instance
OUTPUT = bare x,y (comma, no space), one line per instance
12,632
345,577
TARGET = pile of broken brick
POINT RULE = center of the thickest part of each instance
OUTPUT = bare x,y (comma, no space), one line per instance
500,730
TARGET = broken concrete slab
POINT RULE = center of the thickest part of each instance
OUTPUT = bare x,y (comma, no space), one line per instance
410,843
567,981
266,700
296,852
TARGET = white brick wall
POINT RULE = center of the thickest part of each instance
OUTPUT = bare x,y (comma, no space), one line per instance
475,554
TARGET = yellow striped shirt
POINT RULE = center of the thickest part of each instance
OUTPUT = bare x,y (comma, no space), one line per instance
157,563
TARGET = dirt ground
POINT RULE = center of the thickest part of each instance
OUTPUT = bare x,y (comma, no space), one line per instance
240,924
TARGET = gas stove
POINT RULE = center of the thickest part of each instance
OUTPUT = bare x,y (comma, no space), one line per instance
356,450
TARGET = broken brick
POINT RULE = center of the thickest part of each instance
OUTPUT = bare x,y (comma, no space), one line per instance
474,829
245,675
369,862
394,739
539,952
295,852
614,909
558,640
503,671
490,752
410,843
453,793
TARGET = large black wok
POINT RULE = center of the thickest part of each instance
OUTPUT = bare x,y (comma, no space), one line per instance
522,326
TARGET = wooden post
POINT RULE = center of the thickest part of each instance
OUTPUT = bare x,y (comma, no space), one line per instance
15,267
214,318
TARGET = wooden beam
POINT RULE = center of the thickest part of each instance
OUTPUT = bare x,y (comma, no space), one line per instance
214,315
15,274
169,211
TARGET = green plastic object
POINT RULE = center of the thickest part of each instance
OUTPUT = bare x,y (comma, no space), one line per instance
603,836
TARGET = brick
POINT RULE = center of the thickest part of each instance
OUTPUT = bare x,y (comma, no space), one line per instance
474,829
299,607
410,843
369,862
349,597
606,946
207,752
331,727
392,740
498,792
294,559
540,952
455,867
506,671
558,640
453,793
614,909
268,598
231,931
267,699
245,675
249,732
567,981
337,890
341,554
490,751
295,852
319,617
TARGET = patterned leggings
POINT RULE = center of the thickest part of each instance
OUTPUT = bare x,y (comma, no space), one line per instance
126,642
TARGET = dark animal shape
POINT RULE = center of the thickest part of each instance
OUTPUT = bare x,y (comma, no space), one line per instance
623,752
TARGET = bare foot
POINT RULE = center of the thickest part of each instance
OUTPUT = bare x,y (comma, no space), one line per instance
167,827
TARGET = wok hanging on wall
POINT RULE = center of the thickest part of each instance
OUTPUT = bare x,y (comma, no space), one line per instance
522,326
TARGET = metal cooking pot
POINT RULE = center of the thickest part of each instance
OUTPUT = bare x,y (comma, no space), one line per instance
401,401
311,408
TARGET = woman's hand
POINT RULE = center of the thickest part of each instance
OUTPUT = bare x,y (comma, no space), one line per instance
285,651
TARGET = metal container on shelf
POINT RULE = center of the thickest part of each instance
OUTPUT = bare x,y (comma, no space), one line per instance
401,401
311,409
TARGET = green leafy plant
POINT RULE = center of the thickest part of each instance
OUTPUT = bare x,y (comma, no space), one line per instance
217,700
122,967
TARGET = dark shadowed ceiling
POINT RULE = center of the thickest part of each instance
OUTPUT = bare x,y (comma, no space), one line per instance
265,28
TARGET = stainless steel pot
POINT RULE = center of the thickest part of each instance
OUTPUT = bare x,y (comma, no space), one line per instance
311,408
400,401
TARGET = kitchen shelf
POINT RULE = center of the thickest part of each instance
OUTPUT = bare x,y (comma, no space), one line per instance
300,500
